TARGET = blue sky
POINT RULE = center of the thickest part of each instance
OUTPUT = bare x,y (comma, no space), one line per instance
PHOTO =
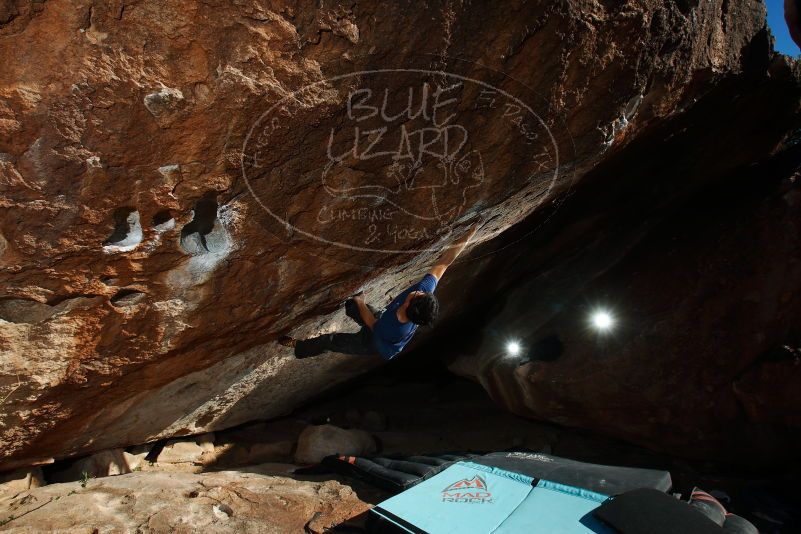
778,28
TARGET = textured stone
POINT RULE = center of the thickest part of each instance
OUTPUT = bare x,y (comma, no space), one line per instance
101,464
319,441
180,451
136,456
226,501
20,480
125,330
695,250
278,451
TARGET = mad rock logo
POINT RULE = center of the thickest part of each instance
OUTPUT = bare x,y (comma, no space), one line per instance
471,491
394,160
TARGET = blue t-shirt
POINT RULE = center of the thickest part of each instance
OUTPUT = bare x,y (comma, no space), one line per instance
389,334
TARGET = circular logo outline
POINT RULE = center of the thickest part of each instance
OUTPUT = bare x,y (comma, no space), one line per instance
292,228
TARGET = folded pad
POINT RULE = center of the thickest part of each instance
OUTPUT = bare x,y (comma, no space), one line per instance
737,525
649,511
470,498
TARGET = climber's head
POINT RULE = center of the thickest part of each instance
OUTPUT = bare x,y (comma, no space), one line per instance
423,308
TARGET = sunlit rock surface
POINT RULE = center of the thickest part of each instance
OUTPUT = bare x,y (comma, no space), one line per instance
147,266
226,501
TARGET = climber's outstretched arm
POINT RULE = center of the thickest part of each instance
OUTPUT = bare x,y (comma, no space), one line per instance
364,312
453,252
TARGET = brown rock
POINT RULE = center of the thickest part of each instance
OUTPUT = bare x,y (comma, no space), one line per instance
20,480
222,502
136,456
179,452
317,442
700,269
101,464
186,451
235,454
117,118
8,10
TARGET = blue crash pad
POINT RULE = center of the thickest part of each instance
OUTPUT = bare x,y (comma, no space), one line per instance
469,497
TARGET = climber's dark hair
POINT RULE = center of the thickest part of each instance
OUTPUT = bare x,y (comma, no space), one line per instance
423,309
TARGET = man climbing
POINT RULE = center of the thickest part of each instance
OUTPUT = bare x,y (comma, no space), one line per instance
385,333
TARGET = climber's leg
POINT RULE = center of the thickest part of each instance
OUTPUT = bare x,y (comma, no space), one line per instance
360,343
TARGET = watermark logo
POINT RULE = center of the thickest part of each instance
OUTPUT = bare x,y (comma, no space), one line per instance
394,160
470,491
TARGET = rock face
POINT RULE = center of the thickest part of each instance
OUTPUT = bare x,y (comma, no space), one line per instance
182,182
691,238
317,442
186,451
101,464
226,501
20,480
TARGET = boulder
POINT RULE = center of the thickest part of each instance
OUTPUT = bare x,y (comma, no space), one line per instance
277,451
278,430
699,269
220,502
101,464
21,480
186,451
318,441
154,247
136,456
238,454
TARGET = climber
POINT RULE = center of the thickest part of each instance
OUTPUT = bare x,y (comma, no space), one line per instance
385,333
